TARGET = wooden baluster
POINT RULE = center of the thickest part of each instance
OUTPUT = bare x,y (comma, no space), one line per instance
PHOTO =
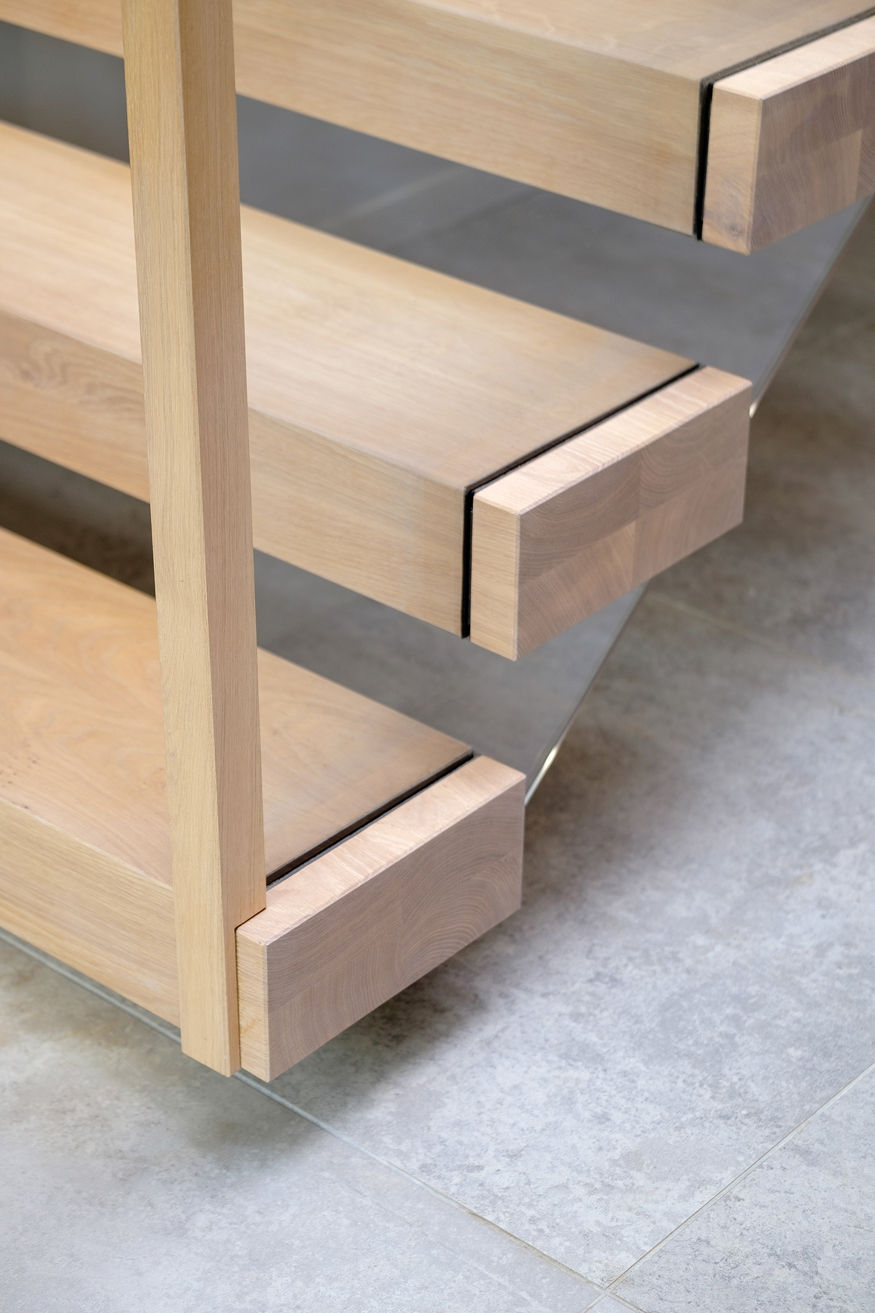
179,72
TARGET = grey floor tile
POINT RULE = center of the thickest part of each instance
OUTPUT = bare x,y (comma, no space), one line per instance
610,1304
799,571
796,1235
134,1180
686,982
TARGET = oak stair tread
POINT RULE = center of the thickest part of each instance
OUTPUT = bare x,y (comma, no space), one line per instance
598,102
381,355
81,741
427,850
694,37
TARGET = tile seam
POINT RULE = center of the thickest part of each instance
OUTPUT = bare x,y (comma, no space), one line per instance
246,1079
171,1033
791,1135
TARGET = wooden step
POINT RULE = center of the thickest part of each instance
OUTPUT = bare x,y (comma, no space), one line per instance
382,395
791,140
591,519
84,836
600,102
366,919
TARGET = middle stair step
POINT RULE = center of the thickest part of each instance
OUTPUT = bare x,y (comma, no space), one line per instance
387,404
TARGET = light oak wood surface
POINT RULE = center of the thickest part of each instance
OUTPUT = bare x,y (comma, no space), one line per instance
380,392
556,539
366,919
85,865
791,140
182,128
90,911
596,101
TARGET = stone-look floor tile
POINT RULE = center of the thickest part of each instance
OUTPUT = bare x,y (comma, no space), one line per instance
685,983
134,1180
610,1304
795,1234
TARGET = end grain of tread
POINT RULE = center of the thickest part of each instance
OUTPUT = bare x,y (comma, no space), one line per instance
558,538
363,921
791,140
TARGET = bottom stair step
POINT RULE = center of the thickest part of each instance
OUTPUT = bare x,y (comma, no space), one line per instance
84,831
366,919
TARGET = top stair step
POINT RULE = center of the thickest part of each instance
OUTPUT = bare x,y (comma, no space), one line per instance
606,103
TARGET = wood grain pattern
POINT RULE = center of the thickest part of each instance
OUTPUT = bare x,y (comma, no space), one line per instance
85,866
365,920
182,127
591,519
105,919
331,756
791,140
379,391
593,101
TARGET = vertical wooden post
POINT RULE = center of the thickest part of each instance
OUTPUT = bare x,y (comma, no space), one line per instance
179,71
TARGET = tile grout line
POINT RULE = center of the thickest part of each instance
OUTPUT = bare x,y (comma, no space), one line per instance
255,1084
170,1032
485,1271
620,1299
742,1175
